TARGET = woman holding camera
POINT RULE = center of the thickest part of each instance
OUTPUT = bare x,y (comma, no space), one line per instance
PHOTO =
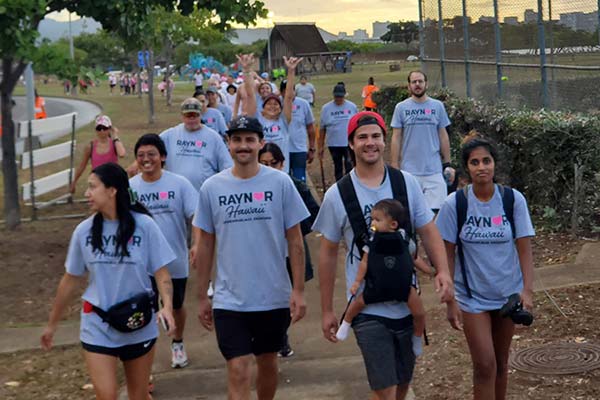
490,258
117,247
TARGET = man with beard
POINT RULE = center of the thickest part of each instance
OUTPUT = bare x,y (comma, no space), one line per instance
420,143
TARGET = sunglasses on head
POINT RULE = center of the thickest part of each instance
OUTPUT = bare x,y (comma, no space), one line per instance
102,128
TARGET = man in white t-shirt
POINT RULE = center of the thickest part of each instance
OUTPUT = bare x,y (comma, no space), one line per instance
383,330
420,143
249,217
198,79
306,90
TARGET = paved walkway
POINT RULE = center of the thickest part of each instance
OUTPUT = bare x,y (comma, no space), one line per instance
318,370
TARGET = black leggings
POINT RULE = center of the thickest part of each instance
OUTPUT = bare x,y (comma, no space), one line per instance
341,161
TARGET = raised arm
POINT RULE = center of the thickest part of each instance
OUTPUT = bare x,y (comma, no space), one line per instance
249,103
119,147
291,64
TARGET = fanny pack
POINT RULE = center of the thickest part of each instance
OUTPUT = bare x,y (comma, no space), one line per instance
129,315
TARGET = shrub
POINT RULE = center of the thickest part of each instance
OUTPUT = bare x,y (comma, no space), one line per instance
550,156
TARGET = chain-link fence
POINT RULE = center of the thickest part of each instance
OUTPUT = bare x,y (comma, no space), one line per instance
535,53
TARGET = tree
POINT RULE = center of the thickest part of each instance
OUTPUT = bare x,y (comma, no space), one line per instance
53,58
104,50
19,20
403,31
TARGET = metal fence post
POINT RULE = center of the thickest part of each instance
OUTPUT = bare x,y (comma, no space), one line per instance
542,47
422,36
72,156
466,46
498,49
598,27
442,44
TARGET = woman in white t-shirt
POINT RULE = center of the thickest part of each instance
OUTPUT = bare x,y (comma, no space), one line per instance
496,263
117,247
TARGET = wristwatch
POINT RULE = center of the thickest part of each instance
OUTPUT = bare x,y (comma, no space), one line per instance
116,139
312,149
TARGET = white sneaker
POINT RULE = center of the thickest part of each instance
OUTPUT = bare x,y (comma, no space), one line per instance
179,357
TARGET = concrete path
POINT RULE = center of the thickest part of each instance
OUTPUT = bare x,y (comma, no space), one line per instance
318,370
56,106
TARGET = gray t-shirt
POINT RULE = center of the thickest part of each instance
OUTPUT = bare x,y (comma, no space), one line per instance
172,200
334,119
226,111
491,258
333,223
112,280
277,131
214,119
306,91
249,218
420,124
301,116
195,155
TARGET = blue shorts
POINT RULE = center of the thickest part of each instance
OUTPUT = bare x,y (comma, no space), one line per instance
386,347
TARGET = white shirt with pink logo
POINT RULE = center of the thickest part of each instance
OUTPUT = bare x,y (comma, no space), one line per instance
196,155
172,200
420,124
249,218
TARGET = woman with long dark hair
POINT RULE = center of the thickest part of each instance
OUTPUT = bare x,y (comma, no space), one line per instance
487,231
117,247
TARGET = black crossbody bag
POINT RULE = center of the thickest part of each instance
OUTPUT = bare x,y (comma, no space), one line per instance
129,315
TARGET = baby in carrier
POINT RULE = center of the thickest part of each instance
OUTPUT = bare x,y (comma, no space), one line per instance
387,266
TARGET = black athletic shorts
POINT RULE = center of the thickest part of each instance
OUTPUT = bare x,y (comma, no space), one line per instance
125,353
256,332
178,292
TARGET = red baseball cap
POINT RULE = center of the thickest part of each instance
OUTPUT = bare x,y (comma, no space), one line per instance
370,118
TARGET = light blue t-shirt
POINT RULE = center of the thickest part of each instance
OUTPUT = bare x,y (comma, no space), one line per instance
213,118
226,111
420,124
301,116
277,131
332,221
491,258
249,218
305,91
195,155
334,119
112,280
172,200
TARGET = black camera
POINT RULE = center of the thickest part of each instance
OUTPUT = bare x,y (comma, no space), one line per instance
514,309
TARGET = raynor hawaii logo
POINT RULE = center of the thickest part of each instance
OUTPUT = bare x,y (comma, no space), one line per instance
487,229
246,206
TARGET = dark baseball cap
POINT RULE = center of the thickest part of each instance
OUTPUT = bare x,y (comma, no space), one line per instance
191,105
246,124
274,97
339,90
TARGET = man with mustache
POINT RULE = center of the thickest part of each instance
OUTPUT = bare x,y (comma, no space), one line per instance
248,217
420,143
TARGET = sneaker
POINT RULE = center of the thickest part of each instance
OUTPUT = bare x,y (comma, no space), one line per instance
178,355
211,291
286,351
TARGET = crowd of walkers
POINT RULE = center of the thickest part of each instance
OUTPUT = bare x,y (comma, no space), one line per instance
227,187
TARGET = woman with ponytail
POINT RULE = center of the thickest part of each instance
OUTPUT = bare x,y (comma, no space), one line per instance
117,247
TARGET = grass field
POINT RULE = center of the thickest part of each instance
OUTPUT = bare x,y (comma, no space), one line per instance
130,113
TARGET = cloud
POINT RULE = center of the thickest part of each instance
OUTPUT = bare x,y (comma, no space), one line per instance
342,15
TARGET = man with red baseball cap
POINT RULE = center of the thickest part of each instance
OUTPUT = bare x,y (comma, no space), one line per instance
383,330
